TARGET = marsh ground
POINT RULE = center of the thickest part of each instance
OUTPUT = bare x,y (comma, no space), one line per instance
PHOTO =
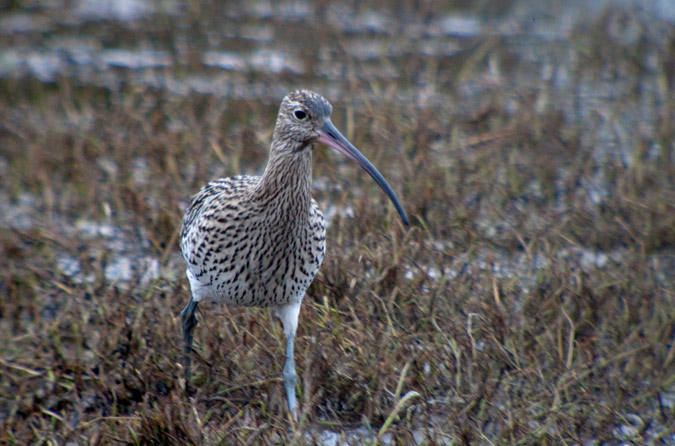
532,300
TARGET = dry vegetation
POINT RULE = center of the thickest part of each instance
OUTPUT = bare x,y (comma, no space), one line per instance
530,302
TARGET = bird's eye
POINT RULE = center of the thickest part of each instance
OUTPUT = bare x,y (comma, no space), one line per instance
300,114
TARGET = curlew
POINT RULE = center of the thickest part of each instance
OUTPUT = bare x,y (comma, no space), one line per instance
259,241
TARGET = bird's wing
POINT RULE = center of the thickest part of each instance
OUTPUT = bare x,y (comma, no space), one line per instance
209,232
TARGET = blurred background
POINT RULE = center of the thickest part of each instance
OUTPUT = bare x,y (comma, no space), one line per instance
532,300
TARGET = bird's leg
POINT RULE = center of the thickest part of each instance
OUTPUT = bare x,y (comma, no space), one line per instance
290,378
289,318
189,324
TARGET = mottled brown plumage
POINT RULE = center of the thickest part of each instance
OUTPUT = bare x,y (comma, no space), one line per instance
259,241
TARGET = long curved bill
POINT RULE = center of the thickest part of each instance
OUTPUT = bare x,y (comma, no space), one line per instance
330,136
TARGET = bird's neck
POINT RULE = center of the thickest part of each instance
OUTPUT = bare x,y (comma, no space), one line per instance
286,184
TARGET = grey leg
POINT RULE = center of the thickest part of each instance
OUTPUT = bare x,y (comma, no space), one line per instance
189,324
289,318
290,378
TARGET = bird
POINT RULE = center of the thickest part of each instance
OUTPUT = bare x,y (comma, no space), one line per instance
260,240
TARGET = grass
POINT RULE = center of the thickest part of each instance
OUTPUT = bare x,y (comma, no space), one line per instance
530,302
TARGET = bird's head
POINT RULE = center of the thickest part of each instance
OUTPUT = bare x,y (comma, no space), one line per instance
304,118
